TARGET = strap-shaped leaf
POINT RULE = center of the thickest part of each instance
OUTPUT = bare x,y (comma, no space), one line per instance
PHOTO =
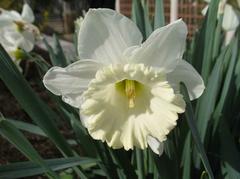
193,128
26,169
14,136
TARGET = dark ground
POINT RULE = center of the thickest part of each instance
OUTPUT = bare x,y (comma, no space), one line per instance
11,109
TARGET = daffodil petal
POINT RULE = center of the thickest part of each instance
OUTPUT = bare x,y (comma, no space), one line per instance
105,34
184,72
107,114
230,18
8,45
27,14
163,48
27,41
204,11
11,35
156,146
7,17
71,81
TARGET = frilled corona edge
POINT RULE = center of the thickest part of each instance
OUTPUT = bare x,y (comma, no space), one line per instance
113,119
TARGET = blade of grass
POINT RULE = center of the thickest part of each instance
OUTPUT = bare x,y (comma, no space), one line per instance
189,115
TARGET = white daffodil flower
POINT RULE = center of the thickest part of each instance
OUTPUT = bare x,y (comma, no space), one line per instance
127,91
78,23
12,48
18,28
231,17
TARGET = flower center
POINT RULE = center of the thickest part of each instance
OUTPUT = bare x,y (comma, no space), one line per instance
130,91
20,25
18,54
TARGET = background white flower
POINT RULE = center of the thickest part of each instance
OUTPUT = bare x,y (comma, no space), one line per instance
127,92
18,28
231,17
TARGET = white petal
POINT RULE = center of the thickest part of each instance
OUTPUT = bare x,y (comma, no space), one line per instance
27,14
105,34
109,118
71,81
164,47
28,41
204,11
230,18
8,45
156,146
7,17
12,35
184,72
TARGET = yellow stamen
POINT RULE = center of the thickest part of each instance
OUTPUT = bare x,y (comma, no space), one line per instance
130,91
20,25
18,54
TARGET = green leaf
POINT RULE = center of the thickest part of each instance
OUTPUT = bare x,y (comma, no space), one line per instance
159,18
198,51
217,38
189,115
27,127
207,102
226,86
186,158
83,137
107,164
14,136
42,64
163,165
209,38
147,22
56,52
140,164
26,169
229,152
138,16
39,112
121,158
